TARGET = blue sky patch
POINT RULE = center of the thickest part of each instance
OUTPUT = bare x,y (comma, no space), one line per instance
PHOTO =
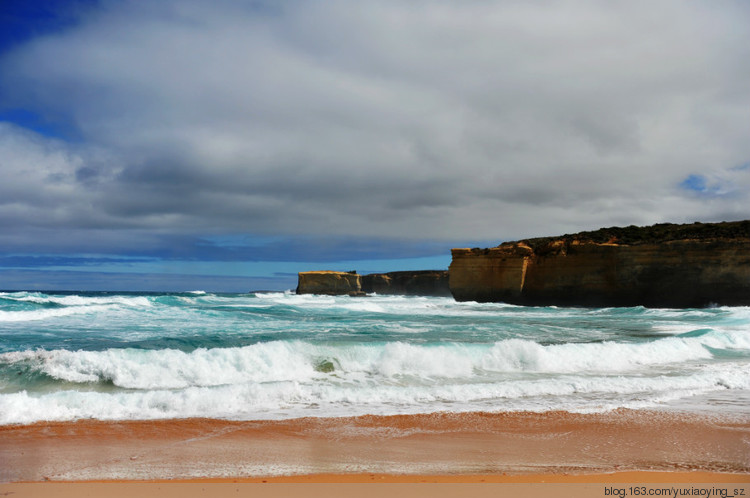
21,20
695,183
33,121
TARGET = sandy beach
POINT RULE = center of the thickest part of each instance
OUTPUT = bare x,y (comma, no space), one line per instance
472,449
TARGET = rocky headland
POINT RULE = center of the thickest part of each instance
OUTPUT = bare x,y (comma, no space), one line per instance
663,265
415,283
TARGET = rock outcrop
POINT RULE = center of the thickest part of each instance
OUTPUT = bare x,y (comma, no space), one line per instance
335,283
416,283
408,283
660,266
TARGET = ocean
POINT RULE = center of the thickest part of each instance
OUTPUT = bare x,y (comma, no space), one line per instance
272,356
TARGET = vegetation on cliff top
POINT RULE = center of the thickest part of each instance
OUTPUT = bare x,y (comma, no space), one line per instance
633,235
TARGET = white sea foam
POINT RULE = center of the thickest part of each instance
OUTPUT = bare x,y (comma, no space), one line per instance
76,300
283,361
66,305
410,305
295,399
346,356
48,313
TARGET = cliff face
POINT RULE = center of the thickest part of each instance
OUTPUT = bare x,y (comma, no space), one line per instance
408,283
418,283
329,282
661,266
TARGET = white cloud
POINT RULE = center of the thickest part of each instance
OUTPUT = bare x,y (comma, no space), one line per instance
477,120
38,178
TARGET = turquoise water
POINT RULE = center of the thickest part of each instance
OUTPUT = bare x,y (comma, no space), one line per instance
280,355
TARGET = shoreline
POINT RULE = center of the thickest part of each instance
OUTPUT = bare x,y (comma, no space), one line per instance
621,477
439,447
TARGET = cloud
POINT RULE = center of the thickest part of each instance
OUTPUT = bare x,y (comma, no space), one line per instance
730,184
475,120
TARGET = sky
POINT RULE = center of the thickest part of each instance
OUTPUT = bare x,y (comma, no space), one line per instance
227,145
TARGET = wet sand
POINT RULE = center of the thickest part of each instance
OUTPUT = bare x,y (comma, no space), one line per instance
506,449
456,488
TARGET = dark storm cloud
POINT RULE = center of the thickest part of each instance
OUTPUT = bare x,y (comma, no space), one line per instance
432,120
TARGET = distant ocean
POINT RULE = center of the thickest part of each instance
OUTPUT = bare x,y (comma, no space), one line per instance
124,356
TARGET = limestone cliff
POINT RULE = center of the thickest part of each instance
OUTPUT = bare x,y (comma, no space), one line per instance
408,283
421,283
329,282
660,266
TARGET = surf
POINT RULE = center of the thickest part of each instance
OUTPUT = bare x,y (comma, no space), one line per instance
280,355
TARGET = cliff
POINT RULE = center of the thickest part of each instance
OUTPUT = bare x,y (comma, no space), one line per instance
408,283
418,283
329,282
659,266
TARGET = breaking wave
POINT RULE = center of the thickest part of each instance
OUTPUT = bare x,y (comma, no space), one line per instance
278,355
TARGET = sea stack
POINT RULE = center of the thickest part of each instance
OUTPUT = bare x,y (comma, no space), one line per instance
406,283
665,265
335,283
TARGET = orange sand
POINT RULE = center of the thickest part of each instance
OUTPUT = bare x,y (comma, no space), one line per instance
579,453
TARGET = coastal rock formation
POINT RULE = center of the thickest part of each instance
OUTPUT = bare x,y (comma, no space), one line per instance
408,283
665,265
329,282
418,283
